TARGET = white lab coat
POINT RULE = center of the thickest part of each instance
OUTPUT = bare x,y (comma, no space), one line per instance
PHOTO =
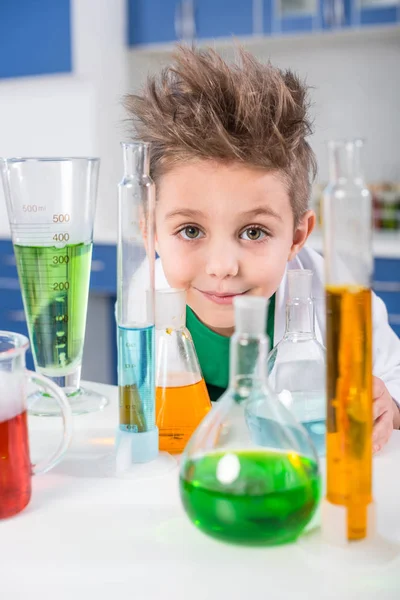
386,344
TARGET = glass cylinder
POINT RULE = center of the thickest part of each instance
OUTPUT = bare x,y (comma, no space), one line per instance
135,305
347,209
51,207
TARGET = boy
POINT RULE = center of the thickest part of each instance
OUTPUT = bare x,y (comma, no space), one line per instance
232,168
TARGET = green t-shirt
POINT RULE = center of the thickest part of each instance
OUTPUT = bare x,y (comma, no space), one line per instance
213,350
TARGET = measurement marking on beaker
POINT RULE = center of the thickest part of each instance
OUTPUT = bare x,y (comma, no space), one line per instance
60,286
33,208
30,225
62,218
61,237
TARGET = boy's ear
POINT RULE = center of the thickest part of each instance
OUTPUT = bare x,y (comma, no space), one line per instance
303,229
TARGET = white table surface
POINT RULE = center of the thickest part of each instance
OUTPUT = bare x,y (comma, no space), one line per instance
86,536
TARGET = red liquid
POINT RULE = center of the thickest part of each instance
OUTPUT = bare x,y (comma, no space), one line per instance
15,466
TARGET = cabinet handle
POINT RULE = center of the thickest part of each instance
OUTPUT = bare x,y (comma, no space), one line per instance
178,21
185,25
16,316
328,12
9,283
97,265
9,259
258,17
386,286
338,13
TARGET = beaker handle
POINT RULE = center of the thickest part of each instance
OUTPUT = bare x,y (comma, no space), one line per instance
46,464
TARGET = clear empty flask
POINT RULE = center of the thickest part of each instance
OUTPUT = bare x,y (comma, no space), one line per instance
250,474
182,399
297,364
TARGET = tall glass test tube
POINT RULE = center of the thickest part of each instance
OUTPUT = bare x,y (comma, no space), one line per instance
347,218
51,206
135,306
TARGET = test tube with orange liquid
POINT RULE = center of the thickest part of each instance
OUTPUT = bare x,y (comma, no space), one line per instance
182,400
348,512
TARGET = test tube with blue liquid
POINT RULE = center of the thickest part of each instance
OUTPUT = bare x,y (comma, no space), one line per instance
137,439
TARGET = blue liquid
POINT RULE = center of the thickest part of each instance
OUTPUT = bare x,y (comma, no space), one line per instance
271,434
317,432
136,379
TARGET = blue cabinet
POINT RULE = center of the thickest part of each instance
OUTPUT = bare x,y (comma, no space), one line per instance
223,18
387,287
290,16
374,12
152,21
163,21
35,37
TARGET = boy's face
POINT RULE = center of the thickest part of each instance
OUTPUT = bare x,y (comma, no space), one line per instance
225,230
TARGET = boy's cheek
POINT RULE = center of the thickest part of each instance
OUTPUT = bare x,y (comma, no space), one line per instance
175,269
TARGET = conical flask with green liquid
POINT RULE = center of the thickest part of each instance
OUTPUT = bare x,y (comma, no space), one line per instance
250,474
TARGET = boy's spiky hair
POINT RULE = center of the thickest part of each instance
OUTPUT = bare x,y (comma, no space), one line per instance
201,107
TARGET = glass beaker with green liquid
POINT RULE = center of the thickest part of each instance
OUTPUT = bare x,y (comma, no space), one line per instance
250,473
51,205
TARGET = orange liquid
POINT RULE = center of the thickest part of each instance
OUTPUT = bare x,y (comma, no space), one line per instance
179,410
349,412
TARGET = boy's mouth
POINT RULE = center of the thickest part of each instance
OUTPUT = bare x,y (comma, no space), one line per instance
218,298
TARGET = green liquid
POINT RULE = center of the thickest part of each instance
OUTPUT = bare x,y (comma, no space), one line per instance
270,501
55,288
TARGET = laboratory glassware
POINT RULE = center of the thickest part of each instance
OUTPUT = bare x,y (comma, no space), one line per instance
182,399
137,439
51,206
16,468
250,474
348,509
297,364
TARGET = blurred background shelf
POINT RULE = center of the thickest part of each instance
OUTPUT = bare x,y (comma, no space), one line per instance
155,24
386,244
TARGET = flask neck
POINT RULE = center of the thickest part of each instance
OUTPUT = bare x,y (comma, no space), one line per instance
136,159
248,360
300,319
345,162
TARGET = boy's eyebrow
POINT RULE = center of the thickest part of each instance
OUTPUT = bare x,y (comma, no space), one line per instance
262,211
190,213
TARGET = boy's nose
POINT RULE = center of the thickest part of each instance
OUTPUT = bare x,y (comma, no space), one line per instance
222,263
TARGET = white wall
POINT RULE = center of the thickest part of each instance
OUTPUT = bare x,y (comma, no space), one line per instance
356,93
76,114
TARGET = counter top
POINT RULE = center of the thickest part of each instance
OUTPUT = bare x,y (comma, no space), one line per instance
87,534
385,244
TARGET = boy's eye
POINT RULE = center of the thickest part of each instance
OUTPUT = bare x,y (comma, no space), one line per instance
190,232
253,234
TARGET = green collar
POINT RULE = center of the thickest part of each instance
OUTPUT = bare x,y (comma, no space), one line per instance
213,350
